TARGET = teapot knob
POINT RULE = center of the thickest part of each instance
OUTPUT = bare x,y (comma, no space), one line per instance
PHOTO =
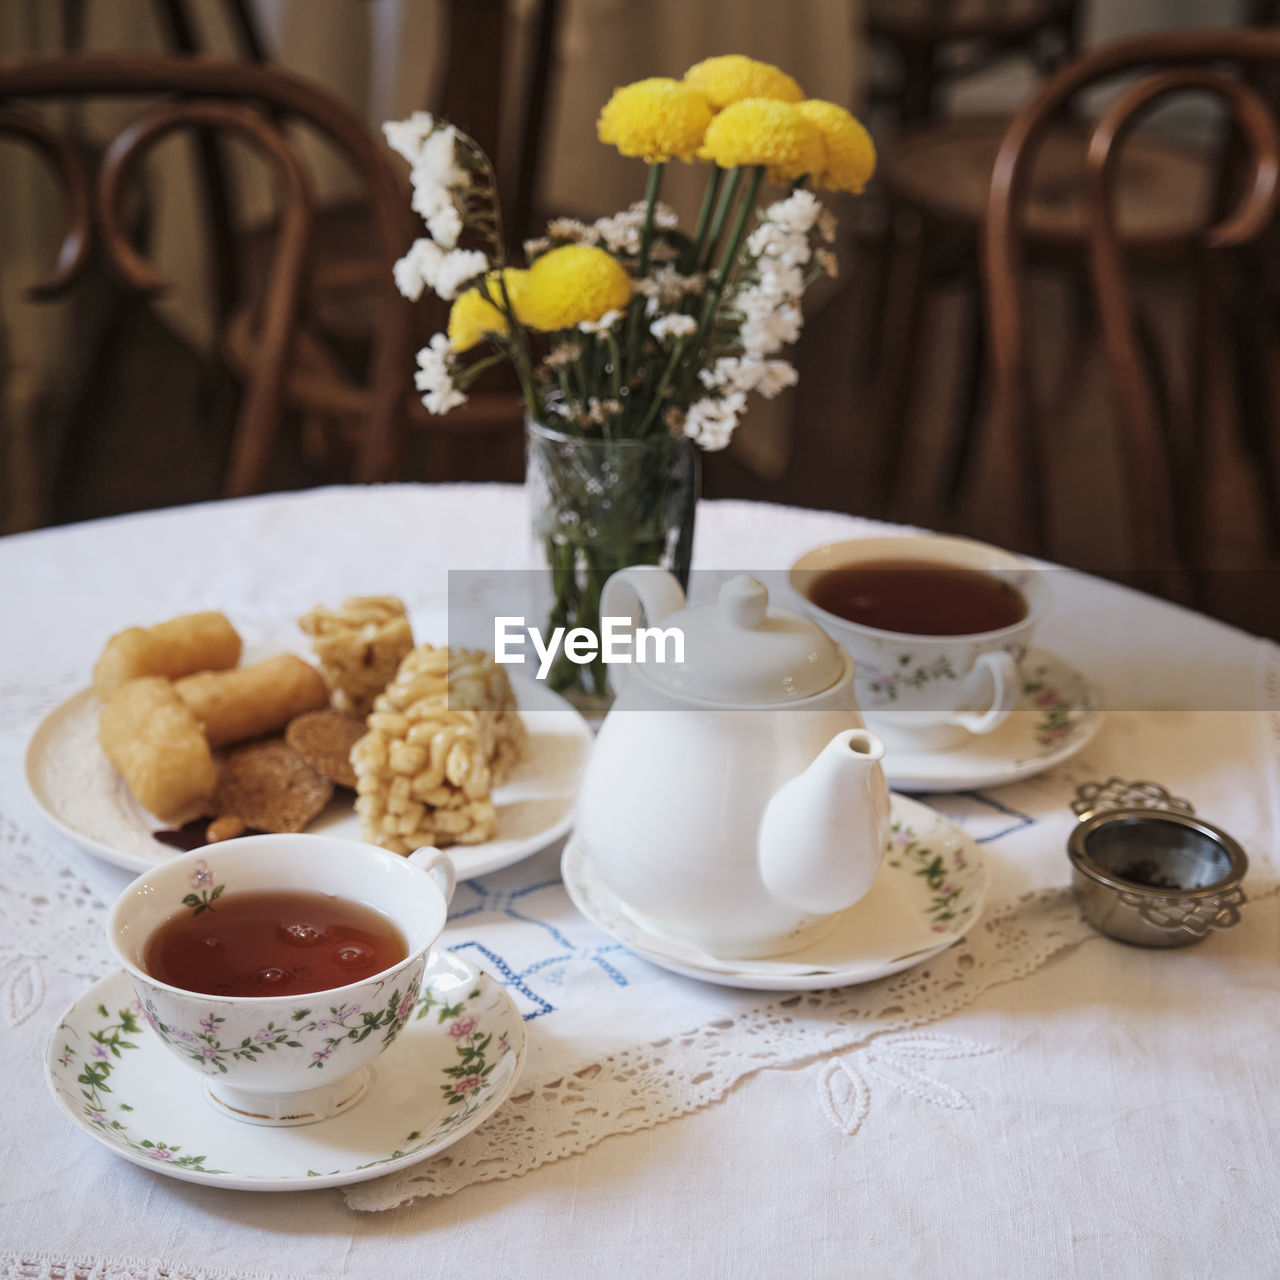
744,601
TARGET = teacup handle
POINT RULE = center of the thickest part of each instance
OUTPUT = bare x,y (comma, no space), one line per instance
439,866
1002,671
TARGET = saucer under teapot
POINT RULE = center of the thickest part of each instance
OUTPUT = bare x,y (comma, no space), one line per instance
734,800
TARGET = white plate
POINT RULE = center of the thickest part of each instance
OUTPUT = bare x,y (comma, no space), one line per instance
1057,715
84,798
929,894
452,1066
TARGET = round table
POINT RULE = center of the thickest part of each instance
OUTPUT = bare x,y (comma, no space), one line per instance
1060,1105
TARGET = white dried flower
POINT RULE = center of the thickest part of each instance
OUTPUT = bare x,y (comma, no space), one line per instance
828,261
619,233
766,334
434,377
664,216
710,422
827,226
429,197
775,243
797,213
668,285
457,268
599,410
775,376
438,159
663,251
536,247
406,137
603,325
445,226
673,326
563,354
568,229
749,373
418,269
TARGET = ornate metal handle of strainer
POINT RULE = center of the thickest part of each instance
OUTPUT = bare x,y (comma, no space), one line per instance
1189,911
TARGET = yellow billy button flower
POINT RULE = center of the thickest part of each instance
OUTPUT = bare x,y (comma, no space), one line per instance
850,153
472,318
731,78
574,284
765,131
655,119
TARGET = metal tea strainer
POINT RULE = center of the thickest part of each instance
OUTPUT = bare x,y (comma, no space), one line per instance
1146,870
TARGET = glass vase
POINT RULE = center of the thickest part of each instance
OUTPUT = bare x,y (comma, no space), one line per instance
597,506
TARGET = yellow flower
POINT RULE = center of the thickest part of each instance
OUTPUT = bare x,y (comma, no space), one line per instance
765,131
655,119
732,77
571,285
850,153
472,318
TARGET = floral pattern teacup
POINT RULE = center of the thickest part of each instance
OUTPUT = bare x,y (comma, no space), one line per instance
285,1060
930,692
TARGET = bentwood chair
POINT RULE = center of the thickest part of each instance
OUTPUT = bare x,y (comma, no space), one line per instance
1224,258
258,105
934,44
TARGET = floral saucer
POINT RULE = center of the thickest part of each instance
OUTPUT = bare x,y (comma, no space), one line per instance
452,1066
1057,715
81,795
928,894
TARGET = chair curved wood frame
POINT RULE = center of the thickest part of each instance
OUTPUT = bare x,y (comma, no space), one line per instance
1180,62
255,102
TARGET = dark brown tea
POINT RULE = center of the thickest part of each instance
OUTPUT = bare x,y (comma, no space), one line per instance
279,943
919,598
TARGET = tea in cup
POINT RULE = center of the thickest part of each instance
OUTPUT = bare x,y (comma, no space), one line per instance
936,627
280,966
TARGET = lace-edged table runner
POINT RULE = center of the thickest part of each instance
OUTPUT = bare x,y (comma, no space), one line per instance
616,1045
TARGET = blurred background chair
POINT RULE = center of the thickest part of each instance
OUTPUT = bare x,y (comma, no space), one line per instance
257,104
1177,388
936,174
934,44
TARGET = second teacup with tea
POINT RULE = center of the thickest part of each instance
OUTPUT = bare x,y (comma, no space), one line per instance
936,626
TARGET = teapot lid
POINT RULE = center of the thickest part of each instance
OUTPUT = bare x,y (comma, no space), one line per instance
740,651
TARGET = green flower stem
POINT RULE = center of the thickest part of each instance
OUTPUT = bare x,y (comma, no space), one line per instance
652,187
727,263
694,252
516,343
660,390
635,310
722,213
615,362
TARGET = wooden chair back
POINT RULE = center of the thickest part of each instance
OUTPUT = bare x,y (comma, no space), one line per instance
1161,465
257,104
938,42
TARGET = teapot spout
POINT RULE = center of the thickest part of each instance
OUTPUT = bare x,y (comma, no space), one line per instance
822,835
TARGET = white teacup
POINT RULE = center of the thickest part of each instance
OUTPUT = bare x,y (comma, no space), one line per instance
261,1055
930,692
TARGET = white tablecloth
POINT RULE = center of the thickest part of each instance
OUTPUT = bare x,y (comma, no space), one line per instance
1109,1111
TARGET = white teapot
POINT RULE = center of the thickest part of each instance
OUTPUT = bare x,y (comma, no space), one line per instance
733,801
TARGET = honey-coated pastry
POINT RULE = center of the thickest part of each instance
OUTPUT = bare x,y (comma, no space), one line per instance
438,739
179,647
153,741
359,648
234,706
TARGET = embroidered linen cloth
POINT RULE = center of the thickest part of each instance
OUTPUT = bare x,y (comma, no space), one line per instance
616,1044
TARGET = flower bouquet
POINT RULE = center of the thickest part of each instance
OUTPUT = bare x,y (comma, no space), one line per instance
633,341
